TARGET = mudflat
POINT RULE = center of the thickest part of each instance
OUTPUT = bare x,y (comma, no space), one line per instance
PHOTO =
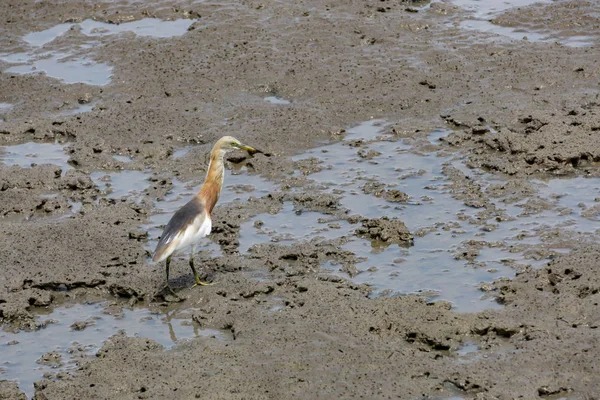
424,226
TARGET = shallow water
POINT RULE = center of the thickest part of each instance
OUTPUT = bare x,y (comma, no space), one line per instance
574,202
181,152
21,351
26,154
72,64
123,159
5,106
482,14
77,70
289,226
121,184
276,100
467,348
149,27
81,108
488,7
580,196
444,222
429,265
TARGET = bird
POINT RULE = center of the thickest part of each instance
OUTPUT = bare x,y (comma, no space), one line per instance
192,222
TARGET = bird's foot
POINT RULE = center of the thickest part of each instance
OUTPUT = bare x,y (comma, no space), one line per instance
200,283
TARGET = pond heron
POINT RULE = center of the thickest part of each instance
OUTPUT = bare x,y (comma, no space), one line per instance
192,221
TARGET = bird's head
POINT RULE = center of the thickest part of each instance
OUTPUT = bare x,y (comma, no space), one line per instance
227,143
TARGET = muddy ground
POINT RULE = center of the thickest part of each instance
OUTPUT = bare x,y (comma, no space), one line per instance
517,108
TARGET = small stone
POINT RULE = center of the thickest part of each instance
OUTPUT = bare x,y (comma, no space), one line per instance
81,325
52,359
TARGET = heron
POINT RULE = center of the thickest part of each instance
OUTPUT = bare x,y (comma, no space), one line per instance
192,222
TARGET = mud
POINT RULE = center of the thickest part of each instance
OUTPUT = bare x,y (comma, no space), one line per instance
386,230
406,236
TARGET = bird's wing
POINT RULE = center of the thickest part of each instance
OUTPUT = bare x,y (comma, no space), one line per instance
191,214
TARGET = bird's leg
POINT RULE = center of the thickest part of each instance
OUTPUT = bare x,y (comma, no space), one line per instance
167,286
196,277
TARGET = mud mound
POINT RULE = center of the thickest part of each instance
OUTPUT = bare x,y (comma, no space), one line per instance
379,189
386,230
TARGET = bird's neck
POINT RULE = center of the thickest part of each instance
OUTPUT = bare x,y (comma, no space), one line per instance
211,189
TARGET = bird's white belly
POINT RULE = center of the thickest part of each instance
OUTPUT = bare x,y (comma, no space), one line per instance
194,233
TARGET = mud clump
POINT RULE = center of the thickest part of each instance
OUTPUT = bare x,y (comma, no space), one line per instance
322,202
395,196
379,189
52,359
386,230
368,154
309,166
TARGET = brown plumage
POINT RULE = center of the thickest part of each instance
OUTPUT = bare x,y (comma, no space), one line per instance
192,221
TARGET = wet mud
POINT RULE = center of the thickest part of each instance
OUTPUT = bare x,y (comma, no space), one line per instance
424,225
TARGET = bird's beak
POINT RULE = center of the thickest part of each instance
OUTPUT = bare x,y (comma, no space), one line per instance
249,149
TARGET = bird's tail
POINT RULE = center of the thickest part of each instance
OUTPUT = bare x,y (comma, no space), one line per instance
162,252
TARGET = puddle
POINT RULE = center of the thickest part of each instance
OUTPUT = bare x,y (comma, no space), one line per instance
149,27
288,226
38,39
483,13
77,70
491,7
579,197
424,268
435,136
575,205
26,154
4,107
182,152
21,351
467,348
122,183
276,100
497,257
237,186
275,304
75,206
123,159
72,64
82,108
